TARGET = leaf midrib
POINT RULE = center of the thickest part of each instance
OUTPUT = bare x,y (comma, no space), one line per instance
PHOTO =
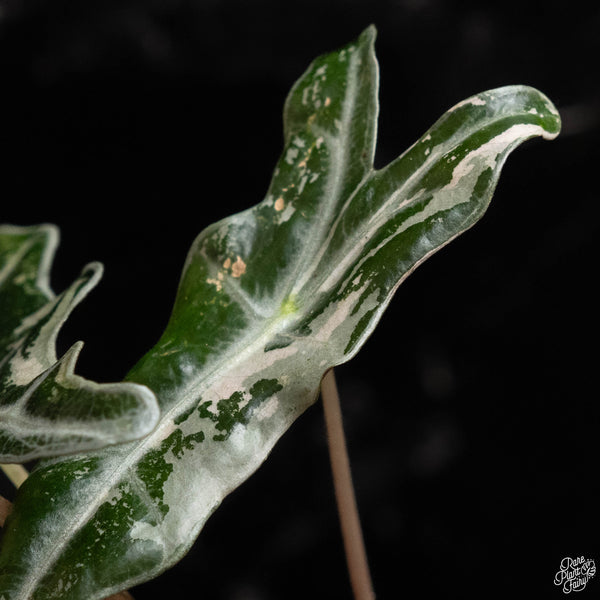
340,166
140,448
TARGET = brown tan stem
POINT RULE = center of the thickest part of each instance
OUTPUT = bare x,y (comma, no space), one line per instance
17,474
5,508
356,556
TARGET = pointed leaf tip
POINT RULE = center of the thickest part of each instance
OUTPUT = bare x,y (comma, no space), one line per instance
369,34
525,102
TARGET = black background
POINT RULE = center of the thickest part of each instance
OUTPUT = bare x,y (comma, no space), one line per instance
472,412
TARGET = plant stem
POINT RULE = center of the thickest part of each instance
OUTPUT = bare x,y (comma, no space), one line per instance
356,556
17,474
5,508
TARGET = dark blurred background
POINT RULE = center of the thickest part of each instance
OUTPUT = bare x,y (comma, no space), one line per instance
471,413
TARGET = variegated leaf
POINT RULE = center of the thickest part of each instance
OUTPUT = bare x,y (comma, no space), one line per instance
269,300
45,409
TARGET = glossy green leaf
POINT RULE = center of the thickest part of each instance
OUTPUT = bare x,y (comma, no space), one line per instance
269,300
45,409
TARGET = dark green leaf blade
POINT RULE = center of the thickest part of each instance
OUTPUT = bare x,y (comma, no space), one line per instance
45,409
269,299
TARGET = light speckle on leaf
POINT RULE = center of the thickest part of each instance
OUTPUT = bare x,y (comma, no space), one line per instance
291,155
216,282
238,268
